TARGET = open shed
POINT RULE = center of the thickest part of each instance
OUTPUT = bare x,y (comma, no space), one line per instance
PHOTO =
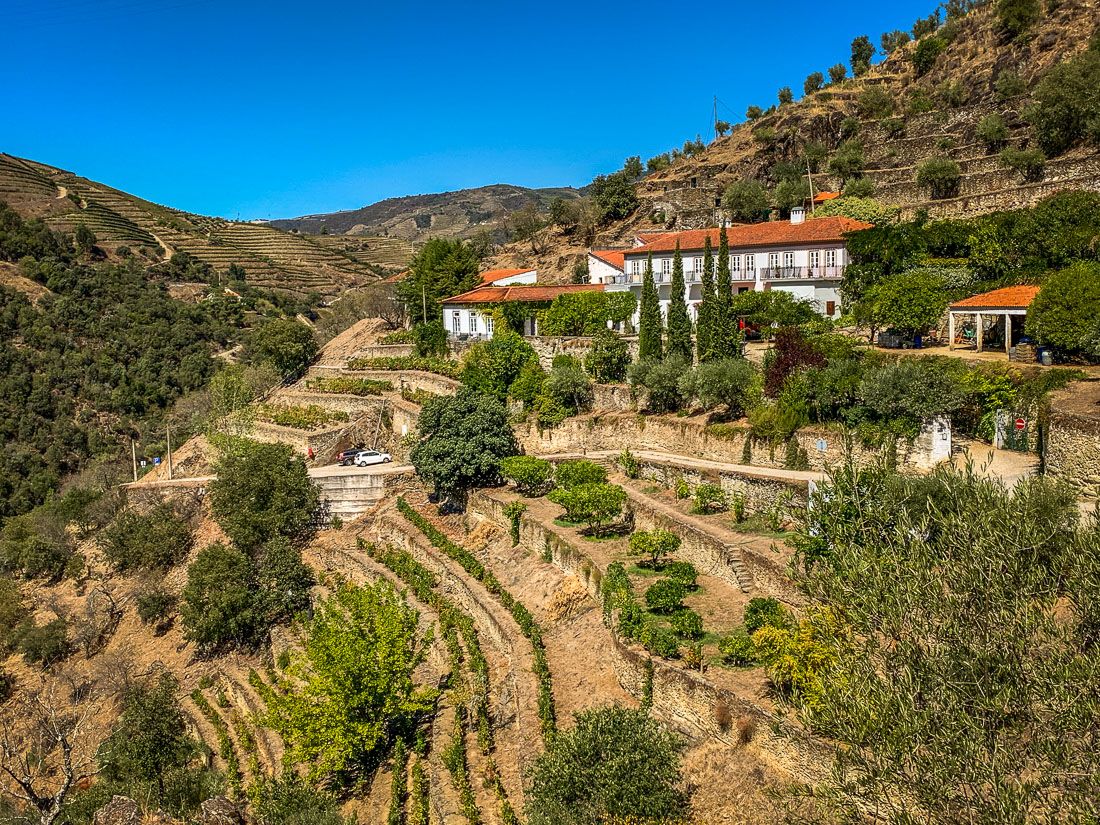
997,315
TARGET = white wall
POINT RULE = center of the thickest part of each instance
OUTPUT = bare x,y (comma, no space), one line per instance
600,271
528,277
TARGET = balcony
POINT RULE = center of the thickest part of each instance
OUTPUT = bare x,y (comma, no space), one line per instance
799,273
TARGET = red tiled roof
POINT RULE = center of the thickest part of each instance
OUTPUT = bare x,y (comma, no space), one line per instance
500,274
1008,297
650,236
821,197
520,292
393,279
615,257
774,233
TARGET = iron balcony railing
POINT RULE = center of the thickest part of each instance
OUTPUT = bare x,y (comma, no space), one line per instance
784,273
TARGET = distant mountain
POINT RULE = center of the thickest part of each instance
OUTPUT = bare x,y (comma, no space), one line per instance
271,258
417,217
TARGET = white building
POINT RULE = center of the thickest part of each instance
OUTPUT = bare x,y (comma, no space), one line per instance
805,257
508,277
604,266
469,315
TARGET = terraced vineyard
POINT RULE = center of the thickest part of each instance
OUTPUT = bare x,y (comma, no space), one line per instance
372,250
271,258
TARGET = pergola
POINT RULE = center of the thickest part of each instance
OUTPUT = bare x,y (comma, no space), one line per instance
1007,303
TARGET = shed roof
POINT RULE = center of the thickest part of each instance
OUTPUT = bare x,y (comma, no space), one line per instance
519,292
1008,297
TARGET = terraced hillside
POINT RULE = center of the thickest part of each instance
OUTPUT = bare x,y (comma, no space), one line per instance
271,258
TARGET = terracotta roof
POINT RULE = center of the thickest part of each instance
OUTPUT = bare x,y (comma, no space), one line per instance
821,197
500,274
774,233
650,236
393,279
520,292
615,257
1009,297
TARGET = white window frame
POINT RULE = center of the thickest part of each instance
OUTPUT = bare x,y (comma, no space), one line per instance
735,263
697,266
788,260
489,324
815,258
750,263
666,266
473,323
773,260
456,322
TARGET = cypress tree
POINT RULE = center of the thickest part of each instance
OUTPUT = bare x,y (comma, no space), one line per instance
726,338
679,323
704,326
649,318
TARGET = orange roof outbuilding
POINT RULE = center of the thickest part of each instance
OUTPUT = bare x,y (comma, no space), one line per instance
500,274
533,293
615,257
1008,297
774,233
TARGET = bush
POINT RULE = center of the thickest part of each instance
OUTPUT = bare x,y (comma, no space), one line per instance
35,544
837,73
665,596
159,538
571,474
613,765
533,476
709,497
597,505
850,127
859,188
613,196
45,645
1008,85
287,346
608,358
1067,104
848,161
491,366
951,94
662,380
154,606
1030,163
629,463
660,641
682,489
925,54
430,340
687,624
550,412
940,175
732,382
909,392
875,102
569,385
992,131
1017,16
746,200
764,612
654,543
813,82
219,601
1065,312
683,572
737,649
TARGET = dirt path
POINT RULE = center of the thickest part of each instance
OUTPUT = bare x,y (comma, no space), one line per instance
63,192
168,251
1007,465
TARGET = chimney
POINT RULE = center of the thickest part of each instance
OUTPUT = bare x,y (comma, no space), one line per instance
798,215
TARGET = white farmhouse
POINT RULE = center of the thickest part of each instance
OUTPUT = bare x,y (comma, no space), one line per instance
469,315
805,257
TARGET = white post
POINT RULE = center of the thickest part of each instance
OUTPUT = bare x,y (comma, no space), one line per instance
1008,333
950,330
978,331
169,432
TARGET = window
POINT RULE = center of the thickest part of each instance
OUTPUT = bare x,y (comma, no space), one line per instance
697,266
735,263
788,260
773,260
815,259
473,323
456,322
636,267
830,257
489,324
750,263
666,266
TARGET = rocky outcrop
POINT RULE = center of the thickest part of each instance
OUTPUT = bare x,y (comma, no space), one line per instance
121,810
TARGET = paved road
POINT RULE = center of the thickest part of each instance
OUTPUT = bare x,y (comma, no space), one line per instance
702,464
324,471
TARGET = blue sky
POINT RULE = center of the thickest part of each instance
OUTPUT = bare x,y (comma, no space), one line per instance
281,109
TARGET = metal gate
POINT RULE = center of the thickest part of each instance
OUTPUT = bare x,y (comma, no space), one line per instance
1013,431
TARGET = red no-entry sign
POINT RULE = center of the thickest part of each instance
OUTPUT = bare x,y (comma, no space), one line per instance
1020,423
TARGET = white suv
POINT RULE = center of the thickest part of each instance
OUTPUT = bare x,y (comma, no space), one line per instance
364,458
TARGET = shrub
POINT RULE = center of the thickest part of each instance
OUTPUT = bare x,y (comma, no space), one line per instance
287,346
1064,313
629,463
940,175
491,366
683,572
786,95
925,54
850,127
765,136
837,73
746,199
662,642
682,489
813,82
1067,104
533,476
951,94
875,102
159,538
45,645
430,340
892,126
574,473
595,504
992,131
219,601
709,497
848,161
732,382
549,411
737,649
1008,85
1030,163
687,624
569,385
654,543
608,357
665,595
155,605
662,381
764,612
859,188
1017,16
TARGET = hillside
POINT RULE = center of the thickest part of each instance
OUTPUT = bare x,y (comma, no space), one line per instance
419,217
920,117
271,258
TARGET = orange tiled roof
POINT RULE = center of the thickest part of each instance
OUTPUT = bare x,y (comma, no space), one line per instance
775,233
393,279
519,292
500,274
1008,297
821,197
650,236
615,257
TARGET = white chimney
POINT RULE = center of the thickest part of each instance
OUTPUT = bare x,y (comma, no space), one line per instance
798,215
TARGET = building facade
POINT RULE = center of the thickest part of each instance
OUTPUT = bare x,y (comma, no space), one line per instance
805,257
469,315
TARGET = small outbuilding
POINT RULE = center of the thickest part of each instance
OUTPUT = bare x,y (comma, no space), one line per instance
996,316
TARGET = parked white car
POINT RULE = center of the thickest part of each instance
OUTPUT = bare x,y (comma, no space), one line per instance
365,458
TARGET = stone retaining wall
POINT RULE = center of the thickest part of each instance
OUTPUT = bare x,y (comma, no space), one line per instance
385,351
1073,452
760,493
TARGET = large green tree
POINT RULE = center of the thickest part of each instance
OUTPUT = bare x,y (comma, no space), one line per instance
613,764
262,491
356,674
219,602
726,335
443,267
1067,308
287,346
461,440
1067,104
650,347
492,366
679,322
705,322
912,301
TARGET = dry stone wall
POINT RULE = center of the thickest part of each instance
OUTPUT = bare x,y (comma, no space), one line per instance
1073,440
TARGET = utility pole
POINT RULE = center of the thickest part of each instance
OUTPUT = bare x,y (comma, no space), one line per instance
715,117
424,301
169,432
810,178
133,456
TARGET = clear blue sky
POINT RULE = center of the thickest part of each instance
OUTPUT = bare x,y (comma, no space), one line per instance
280,109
